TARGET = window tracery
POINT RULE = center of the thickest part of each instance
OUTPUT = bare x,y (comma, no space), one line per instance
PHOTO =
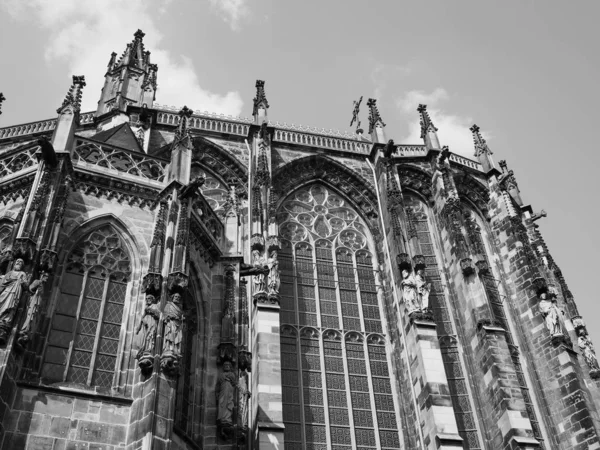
184,402
83,341
334,372
213,190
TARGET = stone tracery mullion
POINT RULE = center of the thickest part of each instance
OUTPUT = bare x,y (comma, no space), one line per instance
325,229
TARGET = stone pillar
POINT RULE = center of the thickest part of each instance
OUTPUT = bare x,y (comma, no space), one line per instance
553,362
497,381
434,410
267,407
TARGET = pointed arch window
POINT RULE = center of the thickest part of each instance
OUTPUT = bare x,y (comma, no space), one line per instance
186,383
5,233
337,391
83,340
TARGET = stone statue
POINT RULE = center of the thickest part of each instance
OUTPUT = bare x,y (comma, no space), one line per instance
551,314
225,391
243,396
30,324
273,279
409,291
11,288
587,349
149,325
423,289
173,334
259,279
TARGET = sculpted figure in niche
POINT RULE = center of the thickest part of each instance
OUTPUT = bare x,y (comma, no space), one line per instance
587,349
423,289
33,309
259,279
173,334
551,314
148,325
409,291
225,391
274,280
11,288
244,395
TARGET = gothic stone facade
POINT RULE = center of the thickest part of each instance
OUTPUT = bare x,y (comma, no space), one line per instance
179,280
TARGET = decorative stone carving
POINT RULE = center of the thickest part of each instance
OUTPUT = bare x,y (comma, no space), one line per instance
423,288
588,352
244,359
273,278
403,261
415,291
259,279
355,117
11,288
243,396
225,391
33,310
375,120
149,325
466,265
483,267
551,314
172,335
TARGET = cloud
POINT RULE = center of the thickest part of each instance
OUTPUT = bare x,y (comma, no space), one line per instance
453,129
381,74
83,37
231,11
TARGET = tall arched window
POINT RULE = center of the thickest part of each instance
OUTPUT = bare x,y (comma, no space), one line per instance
5,233
191,354
84,335
337,392
457,383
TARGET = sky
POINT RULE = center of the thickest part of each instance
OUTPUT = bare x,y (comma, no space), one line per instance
525,71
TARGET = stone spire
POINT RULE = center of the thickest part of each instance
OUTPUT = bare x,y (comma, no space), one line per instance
72,102
482,151
428,129
181,150
261,105
2,98
376,124
68,116
508,182
130,80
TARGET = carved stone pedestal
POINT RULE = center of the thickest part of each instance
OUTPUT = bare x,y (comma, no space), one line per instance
169,363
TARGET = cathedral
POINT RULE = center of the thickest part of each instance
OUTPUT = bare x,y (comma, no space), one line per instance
177,280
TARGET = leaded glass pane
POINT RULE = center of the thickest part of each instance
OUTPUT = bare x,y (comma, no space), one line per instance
328,277
89,311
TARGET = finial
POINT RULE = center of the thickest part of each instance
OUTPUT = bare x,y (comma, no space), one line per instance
139,35
113,58
73,97
374,116
481,146
426,123
184,116
2,98
261,98
503,165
